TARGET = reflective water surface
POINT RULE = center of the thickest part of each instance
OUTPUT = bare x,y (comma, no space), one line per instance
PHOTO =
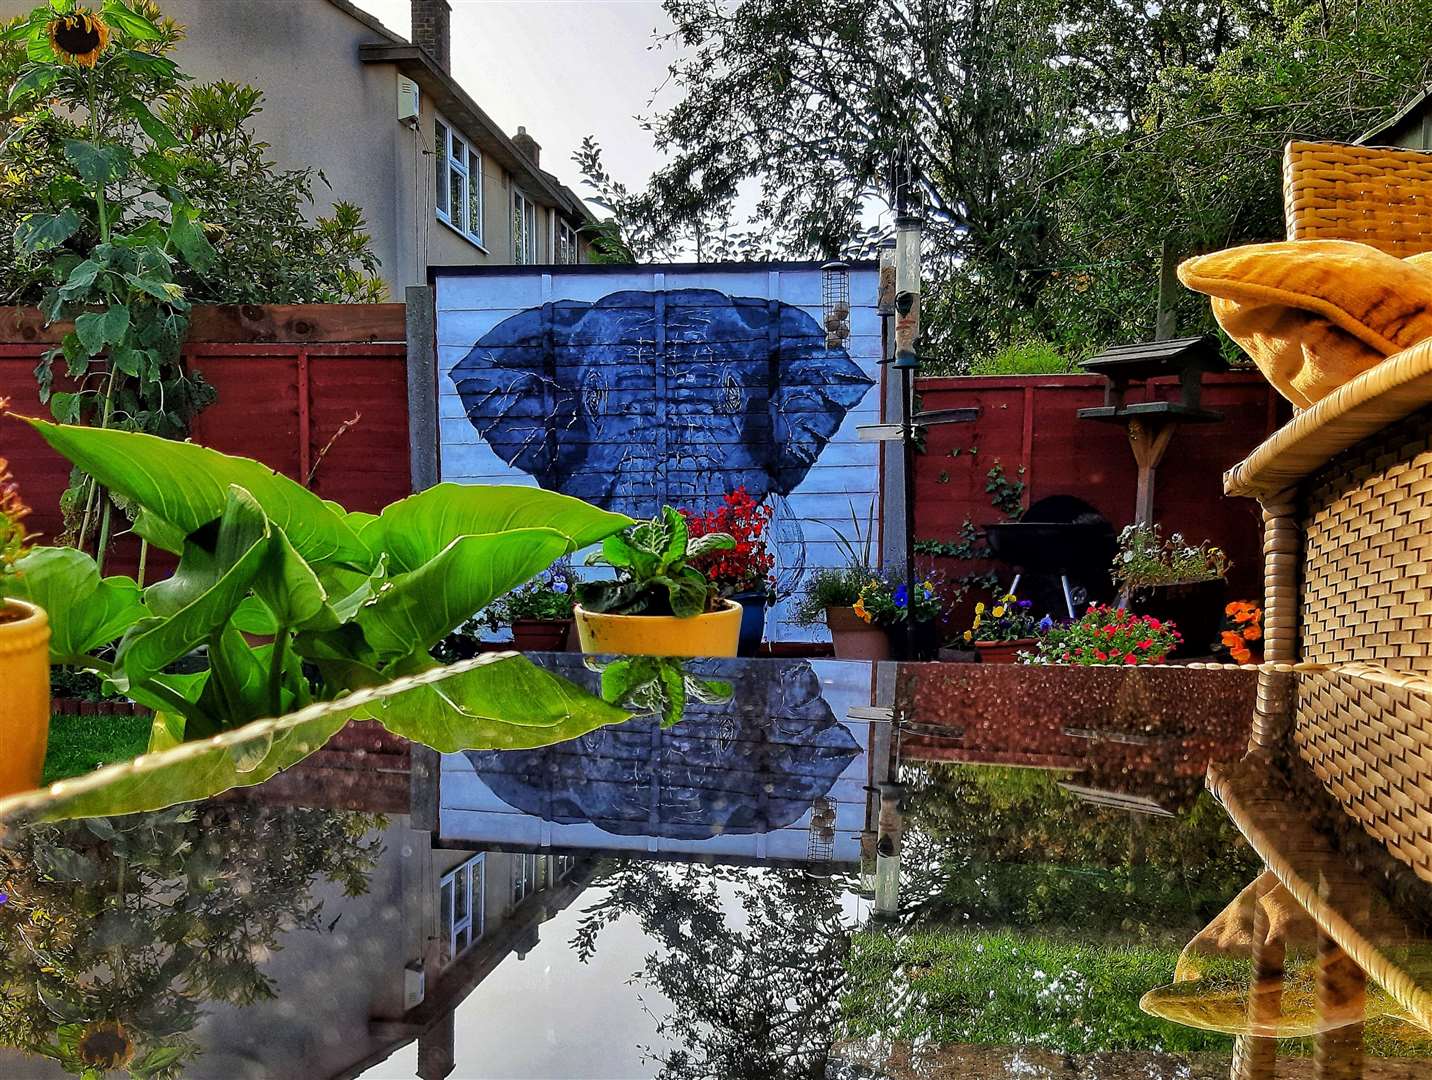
745,869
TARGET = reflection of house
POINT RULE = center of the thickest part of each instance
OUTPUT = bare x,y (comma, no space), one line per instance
392,965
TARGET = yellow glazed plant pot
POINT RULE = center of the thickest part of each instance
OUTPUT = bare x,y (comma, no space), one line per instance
25,700
713,634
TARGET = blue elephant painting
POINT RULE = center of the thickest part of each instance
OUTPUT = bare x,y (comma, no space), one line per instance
664,396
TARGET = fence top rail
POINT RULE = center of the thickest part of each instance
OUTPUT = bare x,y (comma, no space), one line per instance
240,323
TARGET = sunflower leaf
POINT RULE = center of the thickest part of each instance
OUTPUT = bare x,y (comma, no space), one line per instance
40,232
133,24
35,81
97,163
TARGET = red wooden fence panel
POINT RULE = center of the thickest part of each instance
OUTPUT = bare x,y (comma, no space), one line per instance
288,379
1030,421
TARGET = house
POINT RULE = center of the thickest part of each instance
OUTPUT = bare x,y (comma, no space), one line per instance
1411,127
388,127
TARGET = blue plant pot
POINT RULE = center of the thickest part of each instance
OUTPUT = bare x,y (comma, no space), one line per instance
753,622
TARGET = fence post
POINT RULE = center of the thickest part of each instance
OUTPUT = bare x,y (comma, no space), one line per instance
423,427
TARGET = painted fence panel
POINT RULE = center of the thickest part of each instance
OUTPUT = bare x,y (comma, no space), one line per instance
635,387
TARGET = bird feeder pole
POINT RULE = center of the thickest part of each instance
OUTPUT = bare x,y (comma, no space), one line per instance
907,333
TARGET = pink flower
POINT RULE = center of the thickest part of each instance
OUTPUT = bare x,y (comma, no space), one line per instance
1147,643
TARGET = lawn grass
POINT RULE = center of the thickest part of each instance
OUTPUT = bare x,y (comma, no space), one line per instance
948,985
81,744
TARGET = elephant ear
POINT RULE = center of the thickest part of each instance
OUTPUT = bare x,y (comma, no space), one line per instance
86,612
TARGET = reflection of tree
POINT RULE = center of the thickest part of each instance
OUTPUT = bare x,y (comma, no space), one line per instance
752,961
117,931
1009,847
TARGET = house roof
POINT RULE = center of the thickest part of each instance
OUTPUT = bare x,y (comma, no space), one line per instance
1413,112
458,106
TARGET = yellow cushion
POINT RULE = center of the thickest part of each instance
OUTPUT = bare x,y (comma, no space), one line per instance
1312,314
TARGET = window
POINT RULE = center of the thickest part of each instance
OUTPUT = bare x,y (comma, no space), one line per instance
524,229
524,877
460,906
459,180
567,250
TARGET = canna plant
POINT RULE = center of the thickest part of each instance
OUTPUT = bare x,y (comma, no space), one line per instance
292,598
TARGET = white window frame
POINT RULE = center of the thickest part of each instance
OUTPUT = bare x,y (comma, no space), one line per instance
568,250
524,244
524,877
471,878
447,165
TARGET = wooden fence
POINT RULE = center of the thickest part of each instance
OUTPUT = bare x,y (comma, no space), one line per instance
1029,423
288,379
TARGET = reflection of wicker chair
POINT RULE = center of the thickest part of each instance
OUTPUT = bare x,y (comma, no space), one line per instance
1346,492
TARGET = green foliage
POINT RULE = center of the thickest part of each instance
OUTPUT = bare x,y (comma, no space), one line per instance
1059,143
1017,358
829,587
1005,495
146,922
130,195
1008,989
1145,558
657,686
654,575
346,600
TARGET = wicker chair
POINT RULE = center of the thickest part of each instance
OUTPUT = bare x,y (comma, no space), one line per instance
1346,494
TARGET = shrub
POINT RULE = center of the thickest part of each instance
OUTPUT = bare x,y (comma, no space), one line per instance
1036,357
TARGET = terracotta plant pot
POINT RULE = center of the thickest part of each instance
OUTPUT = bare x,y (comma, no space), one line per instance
716,633
753,621
25,704
540,635
1002,652
1196,608
854,638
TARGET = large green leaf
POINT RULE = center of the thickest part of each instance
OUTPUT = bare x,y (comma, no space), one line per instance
85,612
417,528
199,599
185,486
97,163
414,611
494,702
505,704
290,588
40,232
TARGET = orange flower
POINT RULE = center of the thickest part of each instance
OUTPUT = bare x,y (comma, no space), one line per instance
1231,639
1252,633
1242,656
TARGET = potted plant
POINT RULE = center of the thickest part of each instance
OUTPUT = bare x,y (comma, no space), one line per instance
887,603
741,573
1173,580
1106,636
539,612
24,656
658,603
829,595
1002,631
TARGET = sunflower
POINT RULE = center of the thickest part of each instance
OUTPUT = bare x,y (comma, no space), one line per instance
79,37
104,1044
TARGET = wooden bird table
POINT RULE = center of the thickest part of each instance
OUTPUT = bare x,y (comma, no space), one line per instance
1151,424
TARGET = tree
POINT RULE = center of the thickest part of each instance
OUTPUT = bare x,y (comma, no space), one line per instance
118,931
1060,143
752,960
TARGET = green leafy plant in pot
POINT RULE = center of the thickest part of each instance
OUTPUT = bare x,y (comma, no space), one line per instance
1174,581
539,612
657,603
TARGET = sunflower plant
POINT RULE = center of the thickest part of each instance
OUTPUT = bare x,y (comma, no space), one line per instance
109,228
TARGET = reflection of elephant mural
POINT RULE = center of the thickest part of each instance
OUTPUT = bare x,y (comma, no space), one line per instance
751,764
644,398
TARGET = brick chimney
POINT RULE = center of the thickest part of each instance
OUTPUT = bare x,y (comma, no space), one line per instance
432,30
527,146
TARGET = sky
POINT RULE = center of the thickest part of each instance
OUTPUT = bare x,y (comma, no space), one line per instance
564,69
